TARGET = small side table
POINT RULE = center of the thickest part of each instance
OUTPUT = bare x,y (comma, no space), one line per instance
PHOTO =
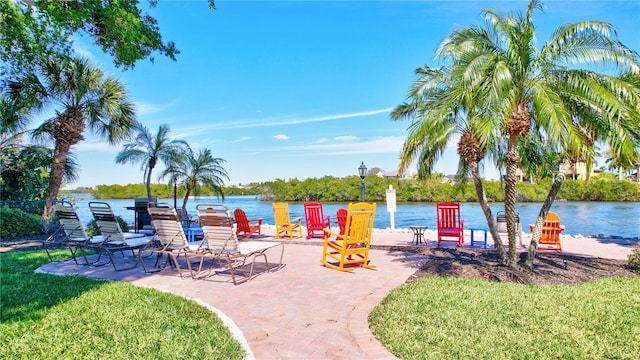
418,233
192,232
473,231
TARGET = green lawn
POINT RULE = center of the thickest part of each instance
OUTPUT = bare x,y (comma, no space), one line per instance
47,316
451,318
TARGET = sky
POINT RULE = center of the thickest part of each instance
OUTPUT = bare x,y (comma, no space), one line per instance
300,89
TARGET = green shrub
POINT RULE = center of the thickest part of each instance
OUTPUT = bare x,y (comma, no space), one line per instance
92,227
15,222
634,259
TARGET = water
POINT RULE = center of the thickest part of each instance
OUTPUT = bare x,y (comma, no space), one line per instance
600,219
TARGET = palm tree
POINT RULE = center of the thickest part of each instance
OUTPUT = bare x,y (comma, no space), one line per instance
148,149
440,107
194,170
83,98
538,90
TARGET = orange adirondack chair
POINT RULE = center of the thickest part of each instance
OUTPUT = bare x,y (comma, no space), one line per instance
551,229
244,226
450,225
315,219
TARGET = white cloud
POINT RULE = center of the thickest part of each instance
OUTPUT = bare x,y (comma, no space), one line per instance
378,145
83,51
345,138
285,120
101,146
145,108
244,138
281,137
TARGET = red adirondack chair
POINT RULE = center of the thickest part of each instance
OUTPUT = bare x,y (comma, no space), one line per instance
315,219
450,225
341,216
244,226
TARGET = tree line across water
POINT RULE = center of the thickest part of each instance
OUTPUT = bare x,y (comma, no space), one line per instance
605,187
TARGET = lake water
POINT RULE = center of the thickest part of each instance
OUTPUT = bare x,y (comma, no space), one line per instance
600,219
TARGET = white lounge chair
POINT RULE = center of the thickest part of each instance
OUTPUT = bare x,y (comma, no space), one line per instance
75,236
221,243
113,238
172,241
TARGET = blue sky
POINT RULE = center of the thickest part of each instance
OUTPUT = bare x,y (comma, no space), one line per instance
303,89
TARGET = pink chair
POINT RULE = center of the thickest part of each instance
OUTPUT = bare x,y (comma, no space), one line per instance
450,225
315,219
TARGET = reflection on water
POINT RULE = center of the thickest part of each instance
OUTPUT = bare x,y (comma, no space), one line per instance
585,218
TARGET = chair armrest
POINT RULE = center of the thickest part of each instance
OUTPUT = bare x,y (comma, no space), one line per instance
328,232
298,219
258,221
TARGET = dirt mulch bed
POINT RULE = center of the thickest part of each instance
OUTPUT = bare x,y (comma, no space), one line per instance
548,269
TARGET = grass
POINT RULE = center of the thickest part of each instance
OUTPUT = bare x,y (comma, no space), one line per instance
452,318
65,317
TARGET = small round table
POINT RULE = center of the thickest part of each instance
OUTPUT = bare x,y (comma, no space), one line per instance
418,233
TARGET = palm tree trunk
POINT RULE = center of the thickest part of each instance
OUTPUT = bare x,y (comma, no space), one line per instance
183,211
55,176
510,196
148,182
544,210
484,204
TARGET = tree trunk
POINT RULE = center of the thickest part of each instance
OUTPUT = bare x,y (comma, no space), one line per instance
148,180
484,204
183,211
510,196
55,176
544,210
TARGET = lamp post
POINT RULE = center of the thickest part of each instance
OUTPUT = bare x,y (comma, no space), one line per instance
175,195
362,170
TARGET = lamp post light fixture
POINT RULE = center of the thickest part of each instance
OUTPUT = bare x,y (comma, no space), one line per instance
362,170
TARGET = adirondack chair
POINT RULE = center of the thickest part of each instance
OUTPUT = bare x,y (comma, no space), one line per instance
551,229
351,249
315,219
450,225
286,227
244,226
341,216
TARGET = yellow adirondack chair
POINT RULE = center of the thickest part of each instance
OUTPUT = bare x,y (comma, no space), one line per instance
285,226
350,249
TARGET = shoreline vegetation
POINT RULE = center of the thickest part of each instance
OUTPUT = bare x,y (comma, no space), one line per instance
605,187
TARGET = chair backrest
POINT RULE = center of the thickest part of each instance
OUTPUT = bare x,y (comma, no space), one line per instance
448,215
313,213
241,220
217,227
359,225
69,220
341,216
501,221
281,213
552,220
167,224
106,221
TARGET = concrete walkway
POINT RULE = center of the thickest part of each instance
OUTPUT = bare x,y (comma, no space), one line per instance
304,310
